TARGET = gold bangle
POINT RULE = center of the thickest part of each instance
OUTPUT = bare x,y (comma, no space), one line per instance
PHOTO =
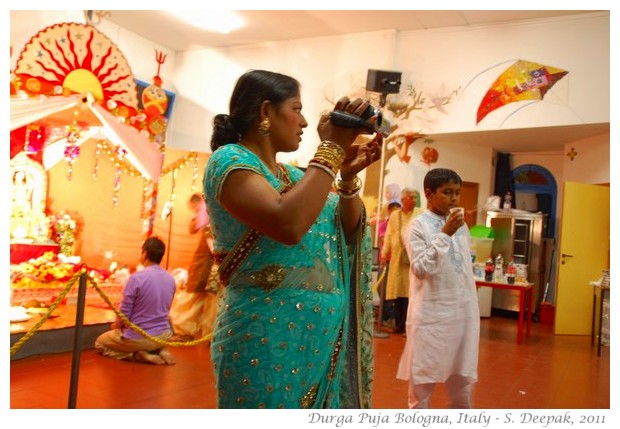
348,195
330,155
349,185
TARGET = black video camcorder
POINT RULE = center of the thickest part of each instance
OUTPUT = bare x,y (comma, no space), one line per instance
349,120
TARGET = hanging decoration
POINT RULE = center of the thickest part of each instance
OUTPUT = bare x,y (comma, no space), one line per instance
150,208
34,139
145,188
173,188
120,154
194,173
98,148
523,80
155,104
430,155
72,148
180,164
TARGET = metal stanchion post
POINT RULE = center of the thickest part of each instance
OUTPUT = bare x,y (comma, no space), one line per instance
77,341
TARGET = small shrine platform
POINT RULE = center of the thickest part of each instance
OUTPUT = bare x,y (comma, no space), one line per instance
57,334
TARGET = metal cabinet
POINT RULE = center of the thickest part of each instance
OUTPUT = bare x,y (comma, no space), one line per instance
518,234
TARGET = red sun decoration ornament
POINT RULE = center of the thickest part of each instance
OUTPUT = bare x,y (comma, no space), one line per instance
73,58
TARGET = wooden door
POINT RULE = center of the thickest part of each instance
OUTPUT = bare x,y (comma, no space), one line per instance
582,255
469,201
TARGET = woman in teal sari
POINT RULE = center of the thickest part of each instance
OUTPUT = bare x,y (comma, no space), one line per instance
294,327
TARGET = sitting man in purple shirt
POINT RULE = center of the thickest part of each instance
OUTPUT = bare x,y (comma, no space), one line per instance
147,298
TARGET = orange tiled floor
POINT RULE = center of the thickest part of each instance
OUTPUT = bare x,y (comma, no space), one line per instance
546,371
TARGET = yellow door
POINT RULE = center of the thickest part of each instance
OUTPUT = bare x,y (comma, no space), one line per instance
583,253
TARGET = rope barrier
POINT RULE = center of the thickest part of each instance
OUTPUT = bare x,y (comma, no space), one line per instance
83,272
376,286
141,331
15,347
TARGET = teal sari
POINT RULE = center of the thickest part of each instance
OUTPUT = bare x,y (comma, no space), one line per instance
294,327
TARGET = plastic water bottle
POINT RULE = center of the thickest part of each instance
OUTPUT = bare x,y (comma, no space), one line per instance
507,201
498,275
511,271
489,267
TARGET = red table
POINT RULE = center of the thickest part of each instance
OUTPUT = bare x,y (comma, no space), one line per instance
526,293
21,252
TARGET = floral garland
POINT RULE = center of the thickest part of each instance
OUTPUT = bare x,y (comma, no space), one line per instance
65,228
42,271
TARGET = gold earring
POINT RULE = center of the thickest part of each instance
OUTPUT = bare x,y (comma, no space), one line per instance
263,127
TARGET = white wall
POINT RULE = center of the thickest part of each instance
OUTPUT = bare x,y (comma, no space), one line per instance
435,62
591,164
326,68
472,58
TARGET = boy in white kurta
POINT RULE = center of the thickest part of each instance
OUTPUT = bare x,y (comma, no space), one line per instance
443,320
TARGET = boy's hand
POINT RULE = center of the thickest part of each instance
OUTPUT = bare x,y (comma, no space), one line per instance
453,223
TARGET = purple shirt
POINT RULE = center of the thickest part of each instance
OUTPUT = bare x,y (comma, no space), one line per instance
146,302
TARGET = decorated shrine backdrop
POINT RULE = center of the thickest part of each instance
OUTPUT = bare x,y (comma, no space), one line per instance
119,229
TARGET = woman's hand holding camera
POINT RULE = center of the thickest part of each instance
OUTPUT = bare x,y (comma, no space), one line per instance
343,136
358,156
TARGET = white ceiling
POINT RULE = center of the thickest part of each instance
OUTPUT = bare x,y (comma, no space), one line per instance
281,25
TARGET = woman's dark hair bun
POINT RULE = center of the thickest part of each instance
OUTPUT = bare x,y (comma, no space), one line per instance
223,131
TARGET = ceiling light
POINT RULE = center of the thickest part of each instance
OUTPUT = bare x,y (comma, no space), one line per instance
221,21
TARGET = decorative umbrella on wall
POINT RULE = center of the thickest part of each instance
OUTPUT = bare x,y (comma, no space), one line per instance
523,80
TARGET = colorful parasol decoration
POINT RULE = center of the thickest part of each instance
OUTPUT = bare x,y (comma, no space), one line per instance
524,80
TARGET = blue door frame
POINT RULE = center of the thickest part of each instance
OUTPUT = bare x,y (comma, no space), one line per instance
520,176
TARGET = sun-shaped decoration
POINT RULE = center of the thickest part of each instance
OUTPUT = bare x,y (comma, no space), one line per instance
71,58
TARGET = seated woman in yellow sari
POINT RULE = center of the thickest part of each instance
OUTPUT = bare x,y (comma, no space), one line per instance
294,327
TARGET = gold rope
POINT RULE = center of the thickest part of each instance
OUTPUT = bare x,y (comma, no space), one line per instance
15,347
376,286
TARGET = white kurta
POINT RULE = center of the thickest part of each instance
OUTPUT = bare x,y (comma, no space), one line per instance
443,319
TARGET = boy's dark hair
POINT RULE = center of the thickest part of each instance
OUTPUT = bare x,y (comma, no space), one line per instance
438,176
154,248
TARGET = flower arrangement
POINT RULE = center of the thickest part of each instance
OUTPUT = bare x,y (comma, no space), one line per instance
42,271
65,228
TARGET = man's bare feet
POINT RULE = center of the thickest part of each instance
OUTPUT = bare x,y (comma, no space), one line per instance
146,357
167,356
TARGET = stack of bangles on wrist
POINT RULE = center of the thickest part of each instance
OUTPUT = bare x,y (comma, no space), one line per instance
348,188
328,157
